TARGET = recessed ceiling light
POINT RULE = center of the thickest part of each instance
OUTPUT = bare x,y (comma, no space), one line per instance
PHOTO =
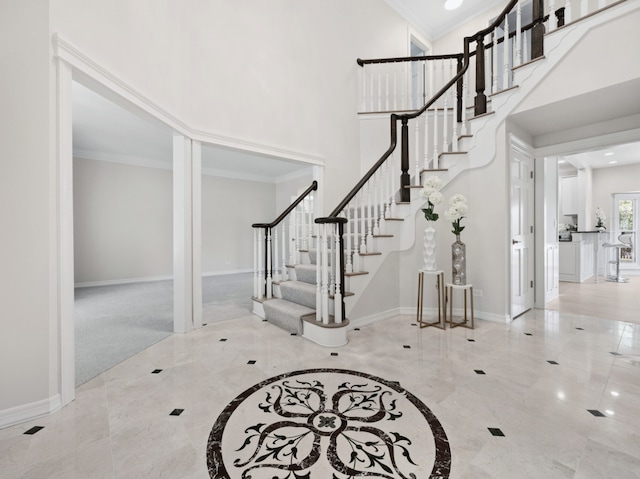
609,153
612,162
452,4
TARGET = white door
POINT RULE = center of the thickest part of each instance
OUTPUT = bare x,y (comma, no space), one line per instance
521,241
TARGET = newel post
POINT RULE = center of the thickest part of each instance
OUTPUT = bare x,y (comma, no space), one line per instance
537,32
481,98
459,92
405,181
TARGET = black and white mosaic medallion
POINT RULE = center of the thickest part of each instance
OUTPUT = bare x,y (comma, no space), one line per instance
327,424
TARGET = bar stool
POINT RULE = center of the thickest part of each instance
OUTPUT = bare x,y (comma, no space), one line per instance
465,288
442,305
625,243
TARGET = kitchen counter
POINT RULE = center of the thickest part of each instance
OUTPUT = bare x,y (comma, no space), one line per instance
578,257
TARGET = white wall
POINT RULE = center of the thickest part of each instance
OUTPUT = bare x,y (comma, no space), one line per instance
229,208
607,181
123,222
27,208
277,73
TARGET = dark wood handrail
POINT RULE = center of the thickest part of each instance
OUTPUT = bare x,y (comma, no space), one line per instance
451,56
283,215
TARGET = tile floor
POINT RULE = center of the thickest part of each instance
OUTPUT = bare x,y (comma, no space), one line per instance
552,395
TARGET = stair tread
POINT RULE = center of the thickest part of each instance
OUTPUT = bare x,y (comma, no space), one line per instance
311,318
383,236
356,273
374,253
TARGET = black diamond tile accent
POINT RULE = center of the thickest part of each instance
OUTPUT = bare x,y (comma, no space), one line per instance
496,432
176,412
223,339
580,329
33,430
253,361
596,413
294,334
356,329
406,346
204,324
264,320
413,324
528,334
553,362
479,371
156,371
334,354
615,353
471,340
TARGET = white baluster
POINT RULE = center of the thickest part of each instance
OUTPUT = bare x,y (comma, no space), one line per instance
426,141
370,218
454,135
371,90
337,297
567,12
269,265
332,261
363,226
445,121
348,266
260,263
494,62
319,273
376,209
292,238
283,274
325,276
395,90
256,276
416,173
519,34
436,160
382,229
393,184
553,21
363,88
379,102
584,8
276,256
505,55
465,82
386,90
602,3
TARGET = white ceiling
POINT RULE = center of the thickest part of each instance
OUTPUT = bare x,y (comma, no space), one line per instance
103,130
433,20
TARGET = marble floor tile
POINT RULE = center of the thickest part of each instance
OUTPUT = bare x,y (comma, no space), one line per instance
551,395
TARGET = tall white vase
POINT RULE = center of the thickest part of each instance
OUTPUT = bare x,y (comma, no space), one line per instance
429,253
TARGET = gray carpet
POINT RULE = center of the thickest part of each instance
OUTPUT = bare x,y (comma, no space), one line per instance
113,323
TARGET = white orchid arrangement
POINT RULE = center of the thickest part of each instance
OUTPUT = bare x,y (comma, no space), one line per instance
600,217
431,192
458,208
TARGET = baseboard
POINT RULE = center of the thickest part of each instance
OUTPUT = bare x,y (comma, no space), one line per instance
149,279
27,412
411,311
112,282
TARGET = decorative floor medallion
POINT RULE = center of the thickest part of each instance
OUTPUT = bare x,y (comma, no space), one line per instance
327,424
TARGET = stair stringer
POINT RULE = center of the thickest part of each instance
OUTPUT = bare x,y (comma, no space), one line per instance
485,142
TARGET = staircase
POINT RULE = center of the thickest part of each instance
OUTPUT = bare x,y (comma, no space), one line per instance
331,277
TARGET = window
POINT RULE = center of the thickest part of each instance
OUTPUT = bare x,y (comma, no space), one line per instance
625,223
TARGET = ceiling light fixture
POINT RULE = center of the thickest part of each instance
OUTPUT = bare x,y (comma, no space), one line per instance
612,162
609,153
452,4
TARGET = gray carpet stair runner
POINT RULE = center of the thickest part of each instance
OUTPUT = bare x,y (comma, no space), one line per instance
298,298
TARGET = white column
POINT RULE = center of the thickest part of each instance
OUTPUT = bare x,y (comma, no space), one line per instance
182,235
196,231
65,255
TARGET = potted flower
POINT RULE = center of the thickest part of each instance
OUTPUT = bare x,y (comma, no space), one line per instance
457,210
431,193
600,219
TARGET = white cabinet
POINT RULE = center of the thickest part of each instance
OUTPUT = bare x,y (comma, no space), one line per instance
569,195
